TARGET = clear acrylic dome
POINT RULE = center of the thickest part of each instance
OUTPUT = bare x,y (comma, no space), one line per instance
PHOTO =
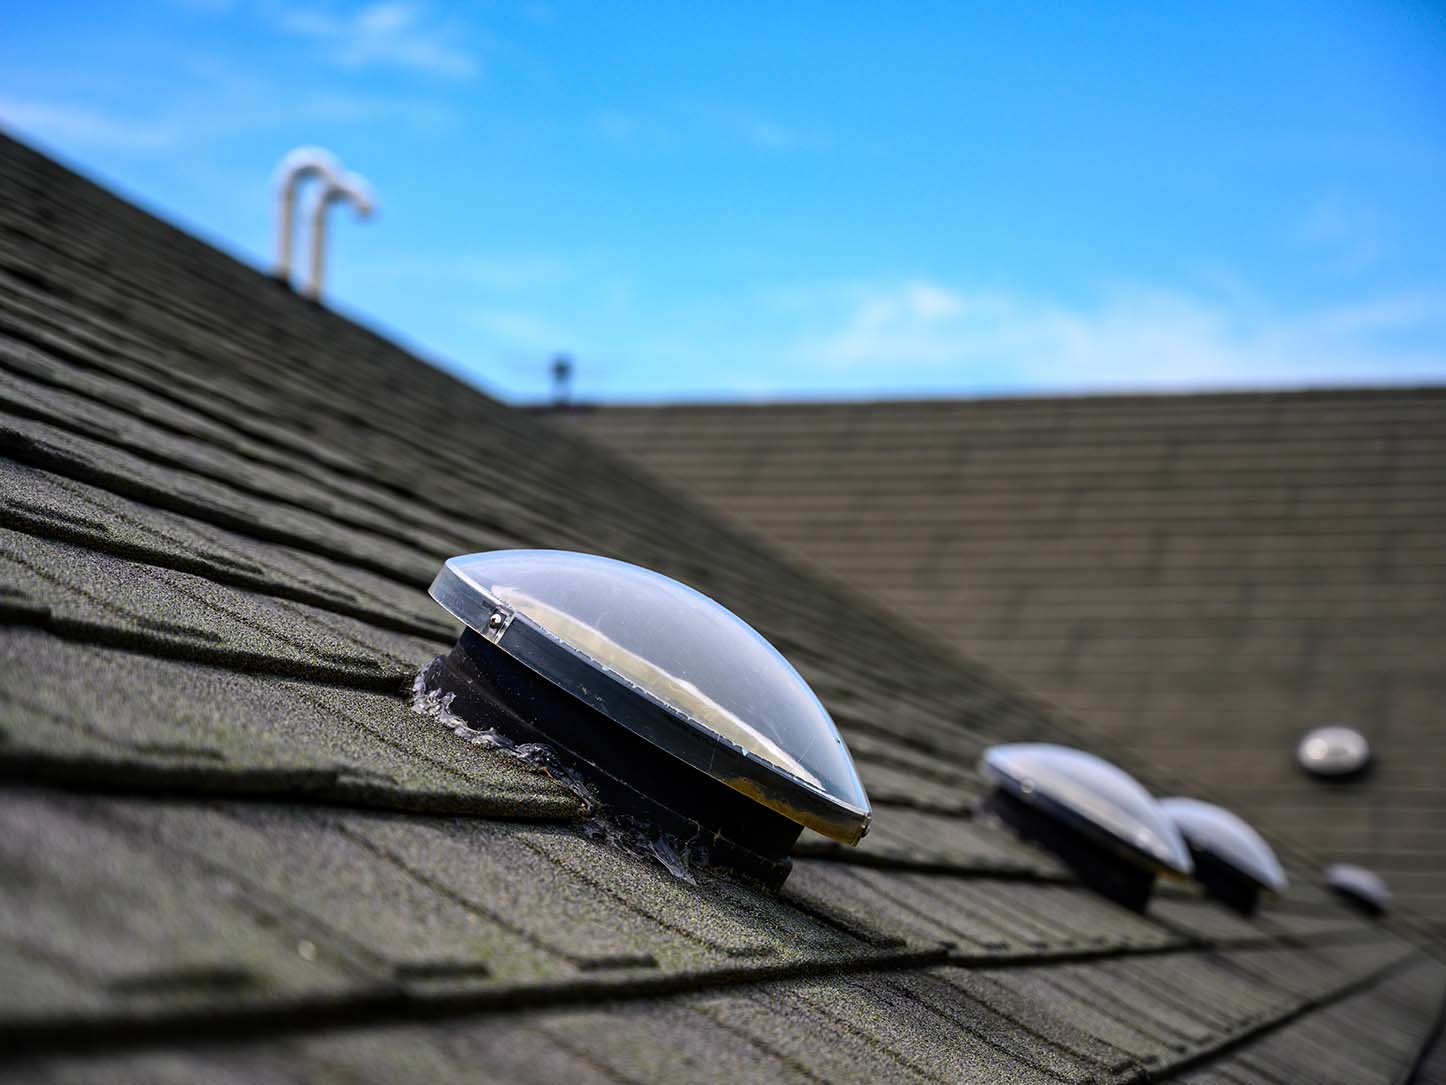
680,649
1218,832
1098,797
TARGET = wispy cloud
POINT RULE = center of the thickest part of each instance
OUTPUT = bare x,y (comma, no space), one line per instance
702,123
1346,233
387,34
921,335
758,130
229,110
204,7
515,274
329,107
930,333
519,331
626,129
84,128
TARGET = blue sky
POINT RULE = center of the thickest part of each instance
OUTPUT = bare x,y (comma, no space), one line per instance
820,199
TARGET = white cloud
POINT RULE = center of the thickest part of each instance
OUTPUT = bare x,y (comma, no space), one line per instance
707,123
929,333
213,111
205,7
518,330
515,274
1346,233
89,129
757,130
331,107
386,34
627,129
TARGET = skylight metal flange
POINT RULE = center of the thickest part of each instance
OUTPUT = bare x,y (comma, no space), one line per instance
675,714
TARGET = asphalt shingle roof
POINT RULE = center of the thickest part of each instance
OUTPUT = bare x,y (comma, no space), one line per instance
230,849
1205,577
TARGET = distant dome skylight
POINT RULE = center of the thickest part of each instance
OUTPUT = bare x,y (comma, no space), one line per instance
1232,860
1334,752
1362,888
669,665
1096,816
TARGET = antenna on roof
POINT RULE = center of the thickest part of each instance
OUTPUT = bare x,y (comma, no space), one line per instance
301,164
561,380
349,188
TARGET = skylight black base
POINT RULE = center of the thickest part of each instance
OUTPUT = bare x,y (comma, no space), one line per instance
1225,884
712,823
1367,907
1100,868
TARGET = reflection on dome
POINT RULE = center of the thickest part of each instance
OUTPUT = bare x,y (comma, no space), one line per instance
677,692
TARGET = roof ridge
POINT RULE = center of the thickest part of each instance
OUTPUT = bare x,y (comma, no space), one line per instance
1284,393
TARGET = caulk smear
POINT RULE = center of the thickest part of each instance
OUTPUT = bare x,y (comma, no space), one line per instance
629,834
438,705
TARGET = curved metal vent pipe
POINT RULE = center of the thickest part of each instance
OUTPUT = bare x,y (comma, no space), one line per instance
349,188
298,167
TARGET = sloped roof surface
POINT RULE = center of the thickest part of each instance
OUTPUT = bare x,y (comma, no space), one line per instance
229,848
1205,577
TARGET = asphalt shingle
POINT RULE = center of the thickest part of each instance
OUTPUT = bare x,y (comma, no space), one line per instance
232,850
1205,577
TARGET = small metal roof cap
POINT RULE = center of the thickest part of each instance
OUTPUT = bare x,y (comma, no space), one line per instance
1096,797
735,708
1216,831
1333,751
1359,884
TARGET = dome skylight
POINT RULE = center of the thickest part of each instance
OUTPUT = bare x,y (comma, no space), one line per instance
669,665
1363,889
1232,860
1094,815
